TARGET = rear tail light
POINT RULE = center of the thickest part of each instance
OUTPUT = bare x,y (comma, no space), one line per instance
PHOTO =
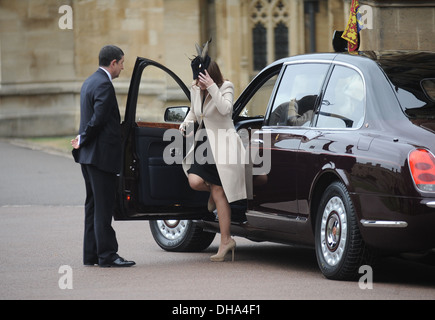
422,165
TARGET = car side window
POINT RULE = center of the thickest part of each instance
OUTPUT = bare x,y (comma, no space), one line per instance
297,94
343,103
257,105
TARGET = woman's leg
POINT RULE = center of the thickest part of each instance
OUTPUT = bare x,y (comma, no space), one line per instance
197,183
224,214
217,195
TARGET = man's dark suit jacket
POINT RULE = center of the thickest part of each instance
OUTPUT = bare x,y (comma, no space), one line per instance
100,128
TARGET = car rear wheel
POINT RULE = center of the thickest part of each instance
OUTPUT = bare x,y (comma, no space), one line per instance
340,249
180,235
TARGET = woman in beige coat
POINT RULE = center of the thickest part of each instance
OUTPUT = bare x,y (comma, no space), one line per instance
223,175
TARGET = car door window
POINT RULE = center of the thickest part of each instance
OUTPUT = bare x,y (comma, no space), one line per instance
343,102
297,94
157,91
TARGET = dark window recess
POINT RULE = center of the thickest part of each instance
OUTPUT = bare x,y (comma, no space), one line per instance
281,41
259,35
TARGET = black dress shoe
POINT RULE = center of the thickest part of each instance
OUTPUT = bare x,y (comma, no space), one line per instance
118,263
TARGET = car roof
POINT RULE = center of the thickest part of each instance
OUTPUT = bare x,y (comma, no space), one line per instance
386,59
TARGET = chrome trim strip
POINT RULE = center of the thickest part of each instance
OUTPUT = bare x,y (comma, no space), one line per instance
308,61
431,204
383,224
274,216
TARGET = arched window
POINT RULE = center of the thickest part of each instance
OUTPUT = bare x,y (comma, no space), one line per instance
270,31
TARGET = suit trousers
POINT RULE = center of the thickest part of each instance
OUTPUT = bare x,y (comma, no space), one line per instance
100,244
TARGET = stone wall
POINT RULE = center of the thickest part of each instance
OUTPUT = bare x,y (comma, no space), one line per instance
37,87
400,25
42,66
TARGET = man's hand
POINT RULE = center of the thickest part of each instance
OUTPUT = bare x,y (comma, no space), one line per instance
75,143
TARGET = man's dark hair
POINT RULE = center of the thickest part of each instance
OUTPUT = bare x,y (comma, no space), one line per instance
108,54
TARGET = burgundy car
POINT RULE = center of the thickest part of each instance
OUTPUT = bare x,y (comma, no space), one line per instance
340,158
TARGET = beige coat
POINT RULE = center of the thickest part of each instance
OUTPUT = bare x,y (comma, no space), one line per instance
225,143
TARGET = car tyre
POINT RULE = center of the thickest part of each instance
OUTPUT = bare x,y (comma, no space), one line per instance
180,235
340,249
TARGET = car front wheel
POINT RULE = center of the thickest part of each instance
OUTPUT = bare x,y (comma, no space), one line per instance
340,249
180,235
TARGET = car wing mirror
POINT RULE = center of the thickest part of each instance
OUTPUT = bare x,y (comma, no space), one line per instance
176,114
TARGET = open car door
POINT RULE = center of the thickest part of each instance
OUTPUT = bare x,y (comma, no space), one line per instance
150,186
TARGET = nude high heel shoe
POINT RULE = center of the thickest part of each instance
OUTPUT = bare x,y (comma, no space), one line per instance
221,257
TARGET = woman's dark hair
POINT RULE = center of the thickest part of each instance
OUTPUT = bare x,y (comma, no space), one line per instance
215,73
108,54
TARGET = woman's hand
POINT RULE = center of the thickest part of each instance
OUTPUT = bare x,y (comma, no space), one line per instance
187,129
182,128
205,79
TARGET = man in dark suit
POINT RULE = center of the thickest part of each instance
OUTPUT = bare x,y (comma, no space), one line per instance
98,149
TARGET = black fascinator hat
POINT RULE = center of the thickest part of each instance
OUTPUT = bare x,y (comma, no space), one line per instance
201,61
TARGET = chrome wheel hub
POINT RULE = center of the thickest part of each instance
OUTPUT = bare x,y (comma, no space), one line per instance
172,229
333,231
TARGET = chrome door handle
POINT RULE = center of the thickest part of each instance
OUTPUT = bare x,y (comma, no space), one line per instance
257,141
